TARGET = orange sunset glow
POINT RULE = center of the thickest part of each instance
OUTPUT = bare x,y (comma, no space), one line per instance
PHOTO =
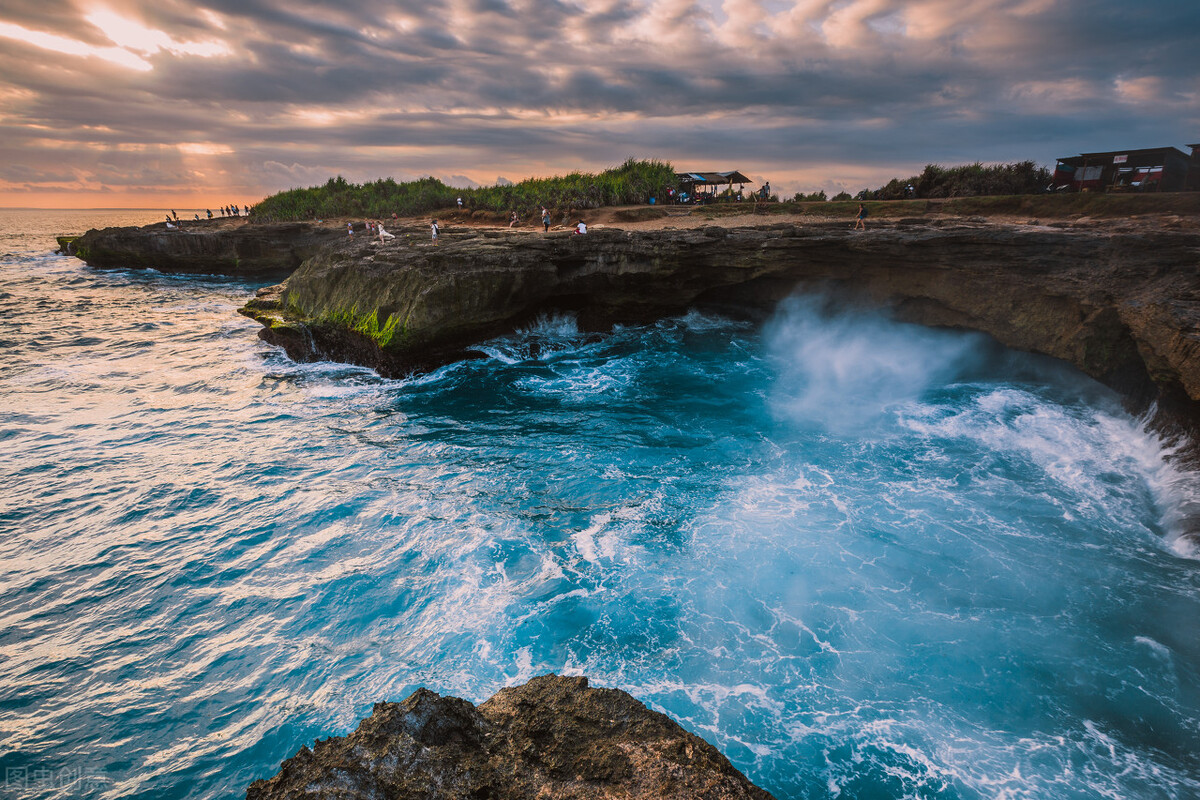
195,104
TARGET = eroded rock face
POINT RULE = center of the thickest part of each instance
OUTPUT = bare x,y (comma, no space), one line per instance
206,247
554,737
1120,303
1123,306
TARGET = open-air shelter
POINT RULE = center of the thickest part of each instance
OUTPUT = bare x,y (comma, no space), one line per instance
698,185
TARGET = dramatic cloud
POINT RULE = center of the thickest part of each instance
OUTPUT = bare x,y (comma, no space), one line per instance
218,99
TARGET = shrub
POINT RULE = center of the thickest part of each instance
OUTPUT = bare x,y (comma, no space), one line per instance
969,180
631,183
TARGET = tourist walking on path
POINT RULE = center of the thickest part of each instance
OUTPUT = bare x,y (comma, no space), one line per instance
545,220
861,225
433,229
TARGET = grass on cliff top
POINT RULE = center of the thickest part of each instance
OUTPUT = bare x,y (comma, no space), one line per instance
1043,206
1086,204
631,183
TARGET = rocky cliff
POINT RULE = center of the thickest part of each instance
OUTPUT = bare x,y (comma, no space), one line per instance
1121,304
1120,301
221,247
551,738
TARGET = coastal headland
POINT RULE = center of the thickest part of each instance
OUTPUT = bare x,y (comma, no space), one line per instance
1117,296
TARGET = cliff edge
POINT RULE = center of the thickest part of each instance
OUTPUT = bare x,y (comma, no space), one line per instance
219,246
1120,303
1119,299
553,737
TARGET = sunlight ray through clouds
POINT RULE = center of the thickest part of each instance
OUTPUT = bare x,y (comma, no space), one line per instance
132,35
828,92
72,47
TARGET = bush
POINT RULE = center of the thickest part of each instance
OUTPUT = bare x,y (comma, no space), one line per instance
815,197
970,180
631,183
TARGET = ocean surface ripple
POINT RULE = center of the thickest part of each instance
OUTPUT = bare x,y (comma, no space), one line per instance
864,559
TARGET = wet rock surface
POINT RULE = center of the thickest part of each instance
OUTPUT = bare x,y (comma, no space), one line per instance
553,737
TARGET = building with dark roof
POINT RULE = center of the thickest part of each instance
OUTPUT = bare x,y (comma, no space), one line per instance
1157,169
1193,180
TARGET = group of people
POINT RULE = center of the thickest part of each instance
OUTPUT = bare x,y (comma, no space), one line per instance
373,228
514,219
231,210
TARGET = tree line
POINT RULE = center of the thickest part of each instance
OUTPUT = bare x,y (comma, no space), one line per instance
633,182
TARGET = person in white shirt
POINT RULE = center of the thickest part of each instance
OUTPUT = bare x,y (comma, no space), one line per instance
581,227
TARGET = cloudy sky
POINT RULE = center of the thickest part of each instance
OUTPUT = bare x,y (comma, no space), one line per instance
173,103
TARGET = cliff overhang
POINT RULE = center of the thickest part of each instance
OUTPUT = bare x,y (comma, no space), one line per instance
1120,301
1122,306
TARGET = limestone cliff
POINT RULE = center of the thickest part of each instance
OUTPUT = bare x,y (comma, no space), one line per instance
1121,302
1122,305
221,247
553,737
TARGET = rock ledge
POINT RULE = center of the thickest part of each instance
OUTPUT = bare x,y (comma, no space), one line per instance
553,737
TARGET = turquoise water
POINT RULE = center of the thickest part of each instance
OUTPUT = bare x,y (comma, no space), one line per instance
864,559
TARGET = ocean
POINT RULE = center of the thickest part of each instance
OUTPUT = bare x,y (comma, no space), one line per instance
862,558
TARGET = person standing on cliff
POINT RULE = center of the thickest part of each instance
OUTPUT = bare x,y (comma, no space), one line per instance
545,220
861,225
433,229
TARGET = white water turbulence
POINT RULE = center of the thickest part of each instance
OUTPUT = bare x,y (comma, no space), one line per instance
864,559
843,371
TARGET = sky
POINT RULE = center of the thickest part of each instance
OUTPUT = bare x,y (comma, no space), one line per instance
200,103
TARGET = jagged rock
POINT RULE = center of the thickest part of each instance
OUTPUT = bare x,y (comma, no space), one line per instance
221,247
554,737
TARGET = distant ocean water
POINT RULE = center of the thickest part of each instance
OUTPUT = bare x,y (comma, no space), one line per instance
863,559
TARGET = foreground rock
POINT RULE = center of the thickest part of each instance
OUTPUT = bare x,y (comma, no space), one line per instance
1122,305
553,737
206,247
